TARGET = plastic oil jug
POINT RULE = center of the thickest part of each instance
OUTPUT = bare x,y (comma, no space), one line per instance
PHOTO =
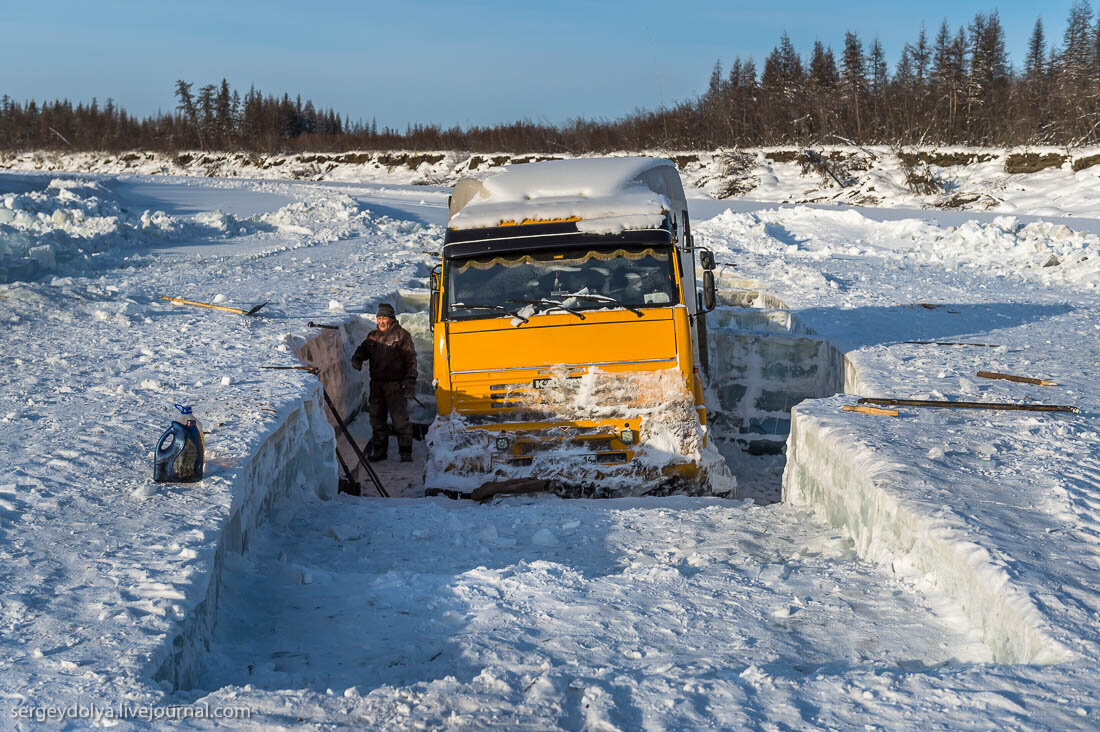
179,453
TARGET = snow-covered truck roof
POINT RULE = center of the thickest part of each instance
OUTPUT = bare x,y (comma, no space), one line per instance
603,195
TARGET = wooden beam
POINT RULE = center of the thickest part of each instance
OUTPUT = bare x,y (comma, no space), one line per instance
870,410
1017,379
997,406
951,343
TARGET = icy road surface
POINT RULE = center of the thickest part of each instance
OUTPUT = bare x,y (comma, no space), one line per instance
537,613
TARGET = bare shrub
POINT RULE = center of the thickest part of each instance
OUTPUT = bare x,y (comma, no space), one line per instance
960,200
918,177
851,162
736,173
834,172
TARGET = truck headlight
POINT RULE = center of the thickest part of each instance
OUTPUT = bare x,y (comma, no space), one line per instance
503,443
626,437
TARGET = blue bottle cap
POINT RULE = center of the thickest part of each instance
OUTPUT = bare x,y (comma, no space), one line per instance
183,409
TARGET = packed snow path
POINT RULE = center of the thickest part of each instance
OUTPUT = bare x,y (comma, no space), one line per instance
105,573
640,613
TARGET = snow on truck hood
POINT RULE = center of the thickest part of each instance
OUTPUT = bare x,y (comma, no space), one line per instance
610,193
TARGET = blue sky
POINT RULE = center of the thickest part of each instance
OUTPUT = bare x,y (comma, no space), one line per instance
467,63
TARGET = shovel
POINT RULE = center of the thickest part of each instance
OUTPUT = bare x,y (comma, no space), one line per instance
238,311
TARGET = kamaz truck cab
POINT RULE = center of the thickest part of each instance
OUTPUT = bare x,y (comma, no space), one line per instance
569,333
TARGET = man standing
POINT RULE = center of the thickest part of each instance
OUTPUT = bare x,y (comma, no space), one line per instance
389,348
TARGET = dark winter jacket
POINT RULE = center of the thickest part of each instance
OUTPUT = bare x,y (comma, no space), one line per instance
391,354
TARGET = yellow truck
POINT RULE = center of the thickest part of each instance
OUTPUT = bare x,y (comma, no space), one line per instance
569,333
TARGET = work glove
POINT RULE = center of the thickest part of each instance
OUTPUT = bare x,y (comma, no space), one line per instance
410,390
356,363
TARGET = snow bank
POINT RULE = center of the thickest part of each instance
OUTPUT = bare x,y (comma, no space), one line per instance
296,457
802,245
74,225
855,488
1047,252
766,360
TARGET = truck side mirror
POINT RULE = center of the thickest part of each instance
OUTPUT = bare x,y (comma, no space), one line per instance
435,282
709,295
706,258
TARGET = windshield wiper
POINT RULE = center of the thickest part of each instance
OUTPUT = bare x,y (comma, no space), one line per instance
501,308
544,301
605,298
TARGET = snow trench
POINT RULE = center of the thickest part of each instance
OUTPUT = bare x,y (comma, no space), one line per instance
295,457
764,362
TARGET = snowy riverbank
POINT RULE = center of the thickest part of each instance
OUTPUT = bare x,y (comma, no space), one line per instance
1036,181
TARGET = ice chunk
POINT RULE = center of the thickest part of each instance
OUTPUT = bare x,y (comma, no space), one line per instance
544,537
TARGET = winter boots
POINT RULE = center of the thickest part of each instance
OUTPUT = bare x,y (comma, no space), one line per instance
378,451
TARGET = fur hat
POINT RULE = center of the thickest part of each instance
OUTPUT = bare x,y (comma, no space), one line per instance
385,310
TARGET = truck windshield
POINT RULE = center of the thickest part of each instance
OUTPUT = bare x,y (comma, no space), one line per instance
590,278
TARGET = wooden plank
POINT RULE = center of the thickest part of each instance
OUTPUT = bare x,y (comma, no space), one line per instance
870,410
515,486
951,343
996,406
1017,379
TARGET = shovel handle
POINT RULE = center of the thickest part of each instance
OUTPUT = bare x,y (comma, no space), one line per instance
238,311
180,300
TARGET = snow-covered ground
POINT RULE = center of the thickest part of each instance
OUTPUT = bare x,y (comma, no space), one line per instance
937,569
